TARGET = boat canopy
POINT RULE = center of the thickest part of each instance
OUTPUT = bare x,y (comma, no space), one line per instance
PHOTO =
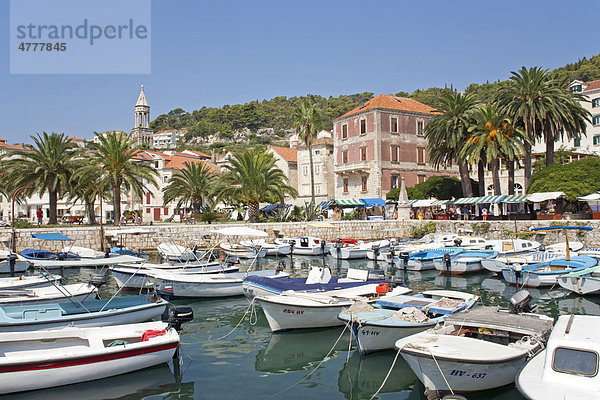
375,202
545,196
557,228
237,231
50,236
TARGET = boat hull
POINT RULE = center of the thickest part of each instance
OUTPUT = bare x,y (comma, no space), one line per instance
529,279
282,317
19,266
458,267
371,337
581,284
418,265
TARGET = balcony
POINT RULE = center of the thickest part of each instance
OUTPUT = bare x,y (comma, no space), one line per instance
358,167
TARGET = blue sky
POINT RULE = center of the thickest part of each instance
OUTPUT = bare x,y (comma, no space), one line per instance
229,52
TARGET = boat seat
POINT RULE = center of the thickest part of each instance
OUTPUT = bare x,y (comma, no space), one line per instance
42,314
356,274
318,275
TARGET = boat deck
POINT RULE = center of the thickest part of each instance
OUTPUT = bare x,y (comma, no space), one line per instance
494,318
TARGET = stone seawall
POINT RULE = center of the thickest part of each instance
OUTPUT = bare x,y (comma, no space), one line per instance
366,230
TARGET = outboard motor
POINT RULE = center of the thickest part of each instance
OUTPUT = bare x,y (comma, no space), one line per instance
165,291
489,246
178,315
107,252
520,303
404,257
12,259
375,249
338,247
280,266
392,253
232,261
292,245
323,244
62,256
98,280
447,261
457,242
395,281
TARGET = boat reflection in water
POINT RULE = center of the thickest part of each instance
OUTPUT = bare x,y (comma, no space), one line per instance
300,350
363,375
459,282
157,381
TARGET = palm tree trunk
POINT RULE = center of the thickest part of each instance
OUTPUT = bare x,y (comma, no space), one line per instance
549,148
116,188
496,176
481,177
53,196
253,212
312,176
527,157
511,176
89,208
465,180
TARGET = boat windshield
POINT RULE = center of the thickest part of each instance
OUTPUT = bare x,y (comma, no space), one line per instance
576,362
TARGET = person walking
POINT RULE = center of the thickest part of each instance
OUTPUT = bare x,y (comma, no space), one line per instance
484,213
40,214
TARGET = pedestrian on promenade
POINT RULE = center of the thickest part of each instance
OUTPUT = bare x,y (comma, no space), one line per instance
484,213
40,215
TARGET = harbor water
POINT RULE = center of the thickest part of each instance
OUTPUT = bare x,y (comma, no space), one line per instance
228,351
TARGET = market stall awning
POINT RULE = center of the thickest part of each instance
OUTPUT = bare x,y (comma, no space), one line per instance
516,198
440,202
326,204
490,199
590,197
544,196
376,202
423,203
466,200
350,203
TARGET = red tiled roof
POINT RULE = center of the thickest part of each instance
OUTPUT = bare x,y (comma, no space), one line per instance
389,102
288,154
169,130
178,162
320,141
199,153
75,138
592,85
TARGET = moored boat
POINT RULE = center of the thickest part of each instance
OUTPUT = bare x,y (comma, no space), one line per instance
359,251
242,251
424,260
498,263
30,281
546,273
50,294
586,281
305,245
172,252
464,262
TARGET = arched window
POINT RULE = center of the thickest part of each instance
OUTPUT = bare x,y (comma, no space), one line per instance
490,190
518,188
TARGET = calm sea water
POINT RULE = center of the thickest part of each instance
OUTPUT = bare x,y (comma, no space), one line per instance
227,356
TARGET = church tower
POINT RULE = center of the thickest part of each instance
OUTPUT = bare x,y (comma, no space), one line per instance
142,134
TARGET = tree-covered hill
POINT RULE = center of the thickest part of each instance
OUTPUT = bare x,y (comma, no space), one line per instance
267,120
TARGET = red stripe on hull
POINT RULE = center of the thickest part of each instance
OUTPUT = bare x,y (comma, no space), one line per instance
85,360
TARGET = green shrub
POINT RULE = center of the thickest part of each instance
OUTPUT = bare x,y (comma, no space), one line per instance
481,228
418,232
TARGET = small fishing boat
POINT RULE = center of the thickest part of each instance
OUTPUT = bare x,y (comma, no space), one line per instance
11,263
393,318
586,281
131,276
546,273
42,359
119,236
242,251
305,245
83,252
184,286
86,262
50,294
30,281
335,247
273,249
568,367
497,264
297,310
319,279
40,254
359,251
471,242
464,262
171,252
479,349
513,247
424,260
88,313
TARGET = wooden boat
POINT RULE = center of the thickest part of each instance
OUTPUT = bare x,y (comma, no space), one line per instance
305,245
586,281
176,285
51,294
396,317
476,350
29,281
48,358
88,313
319,279
568,367
464,262
297,310
546,273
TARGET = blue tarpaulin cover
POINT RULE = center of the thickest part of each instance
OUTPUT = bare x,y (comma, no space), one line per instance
50,236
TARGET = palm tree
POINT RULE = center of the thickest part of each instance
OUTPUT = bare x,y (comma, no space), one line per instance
492,137
86,184
191,185
252,177
48,166
115,154
447,132
308,122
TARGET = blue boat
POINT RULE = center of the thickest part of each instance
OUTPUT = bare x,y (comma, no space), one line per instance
424,260
464,262
39,254
546,273
116,311
319,279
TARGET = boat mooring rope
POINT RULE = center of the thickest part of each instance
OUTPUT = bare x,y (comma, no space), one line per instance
316,368
387,376
441,372
252,318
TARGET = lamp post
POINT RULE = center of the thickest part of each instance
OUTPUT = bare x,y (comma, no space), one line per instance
14,232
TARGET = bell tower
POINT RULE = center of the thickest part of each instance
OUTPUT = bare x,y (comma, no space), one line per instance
142,133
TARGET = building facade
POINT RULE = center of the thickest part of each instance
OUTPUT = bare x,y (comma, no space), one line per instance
323,169
141,133
166,139
379,142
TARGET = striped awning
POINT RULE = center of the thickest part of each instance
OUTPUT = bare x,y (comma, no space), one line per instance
515,198
411,202
326,204
350,202
490,199
466,200
440,202
422,203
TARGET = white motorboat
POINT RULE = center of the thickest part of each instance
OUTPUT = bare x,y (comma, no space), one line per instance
50,294
131,276
471,242
546,273
561,246
172,252
11,263
360,250
568,367
273,249
464,262
513,247
305,245
83,252
87,262
42,359
29,281
396,317
497,264
241,251
476,350
586,281
175,285
297,310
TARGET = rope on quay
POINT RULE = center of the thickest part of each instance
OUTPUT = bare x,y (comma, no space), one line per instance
251,311
316,368
387,376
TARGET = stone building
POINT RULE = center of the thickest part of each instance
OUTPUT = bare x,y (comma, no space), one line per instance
286,159
379,142
142,134
323,167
